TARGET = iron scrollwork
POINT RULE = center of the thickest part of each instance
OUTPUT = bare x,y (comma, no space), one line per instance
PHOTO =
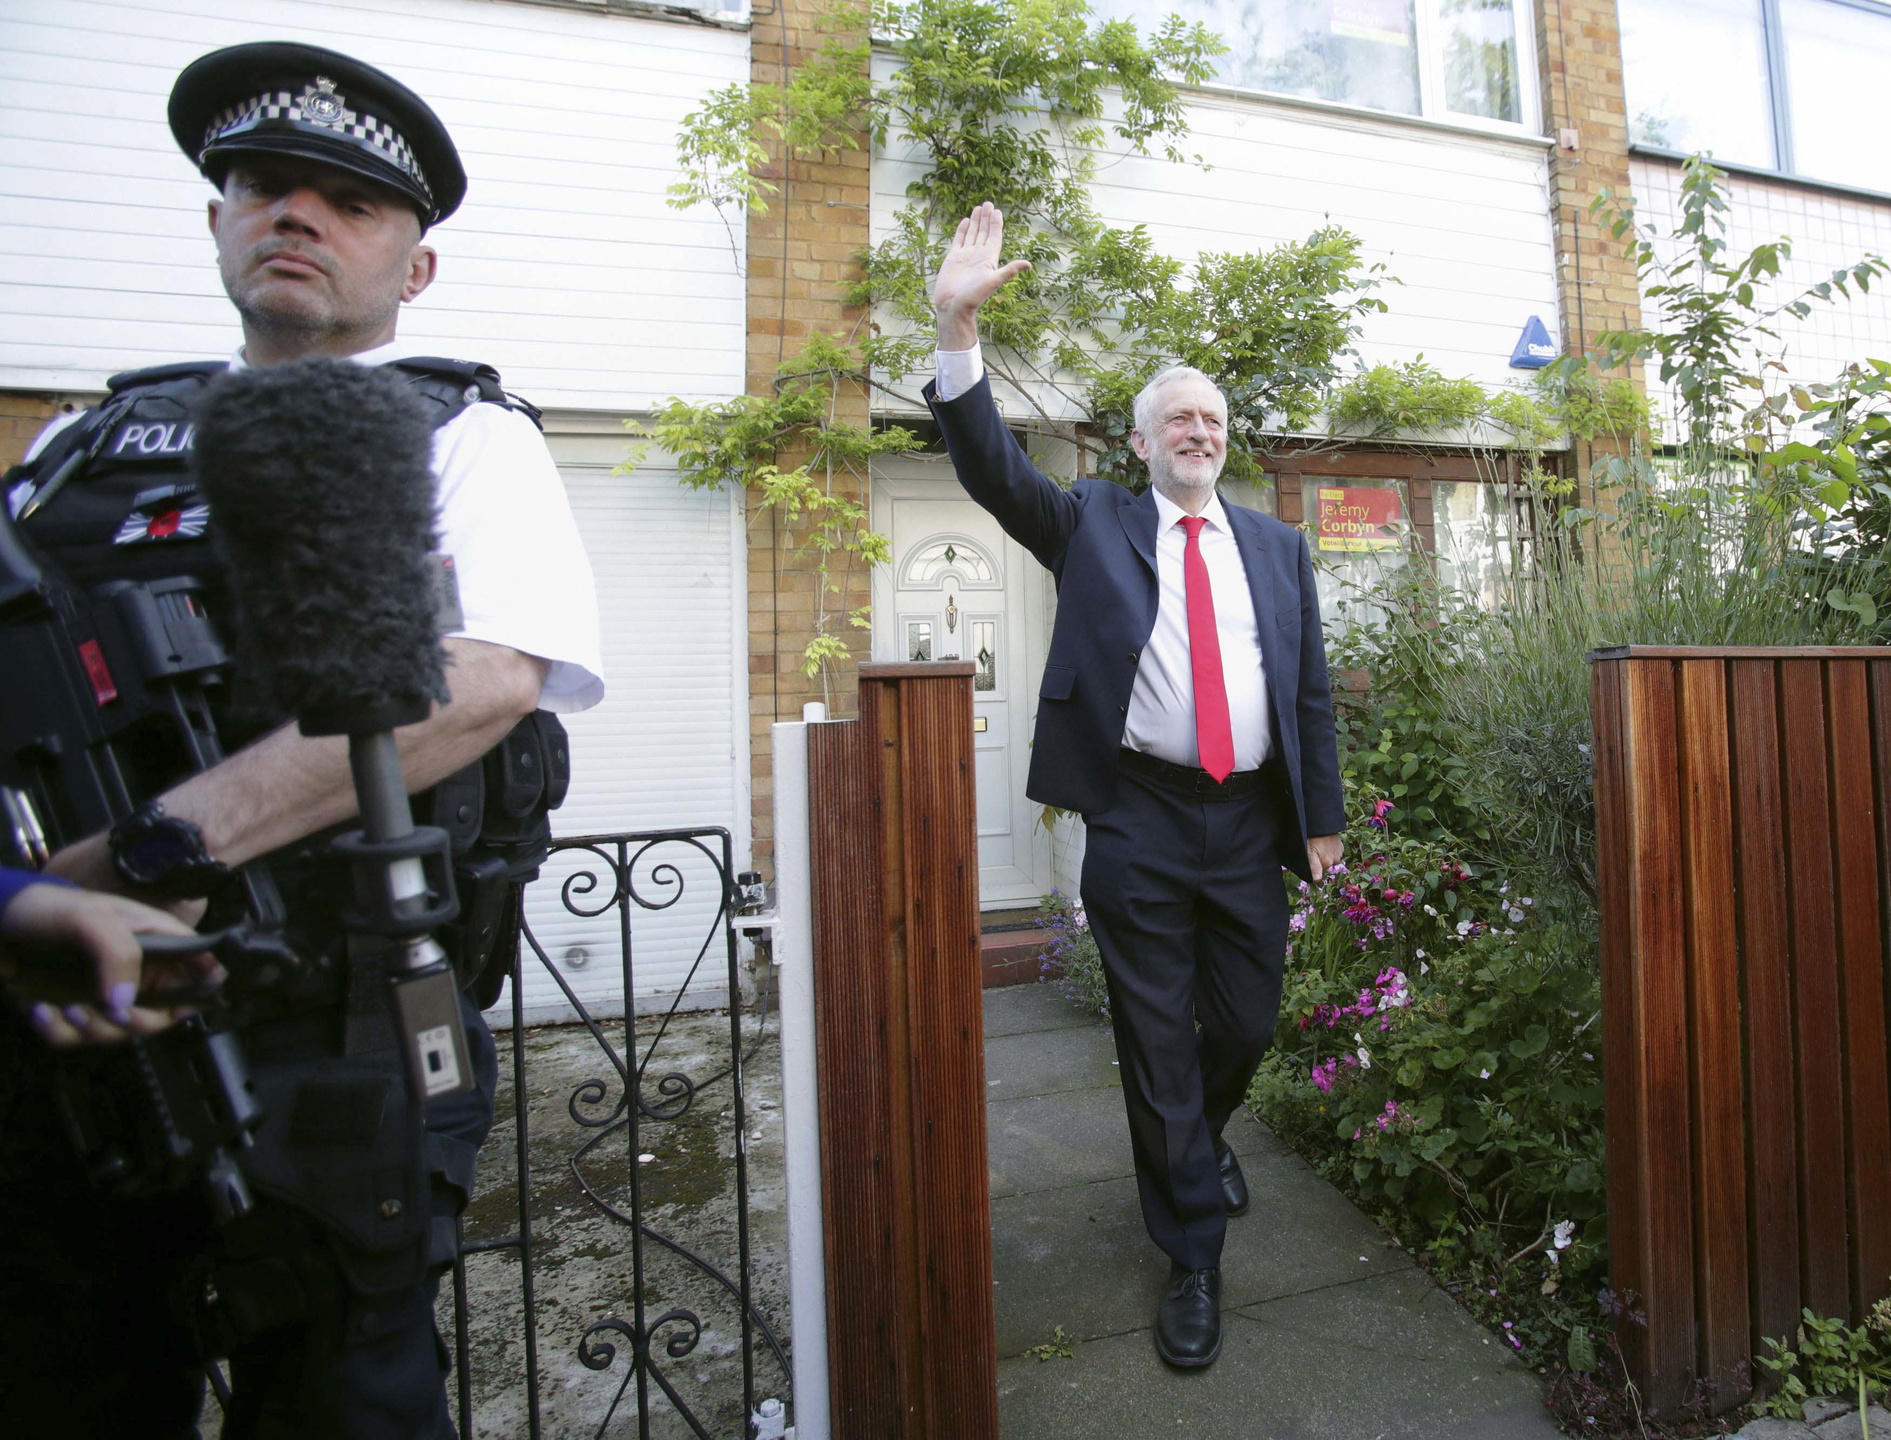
632,873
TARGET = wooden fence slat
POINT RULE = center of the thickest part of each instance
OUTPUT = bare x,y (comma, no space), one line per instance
1660,1052
1880,698
1861,985
1766,1003
867,1361
946,1016
1718,1132
1824,1266
1624,1124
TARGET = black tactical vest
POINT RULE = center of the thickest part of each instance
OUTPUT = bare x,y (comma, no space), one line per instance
129,510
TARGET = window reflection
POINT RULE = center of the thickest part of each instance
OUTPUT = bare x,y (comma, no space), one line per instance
1360,52
1837,58
918,640
1473,527
1694,73
1479,41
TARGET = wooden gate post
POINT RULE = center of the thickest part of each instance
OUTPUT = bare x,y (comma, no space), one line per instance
1744,876
912,1340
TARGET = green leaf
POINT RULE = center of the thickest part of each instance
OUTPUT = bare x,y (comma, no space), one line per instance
1582,1351
1532,1042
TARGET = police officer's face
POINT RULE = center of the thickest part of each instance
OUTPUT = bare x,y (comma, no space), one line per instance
315,254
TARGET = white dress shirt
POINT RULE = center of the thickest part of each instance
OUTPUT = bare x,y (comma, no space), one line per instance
1161,718
524,578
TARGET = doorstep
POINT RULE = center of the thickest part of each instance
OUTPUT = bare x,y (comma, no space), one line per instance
1011,957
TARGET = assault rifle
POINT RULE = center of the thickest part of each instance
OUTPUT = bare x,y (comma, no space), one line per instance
105,703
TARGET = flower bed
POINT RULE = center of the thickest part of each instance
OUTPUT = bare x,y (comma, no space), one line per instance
1438,1059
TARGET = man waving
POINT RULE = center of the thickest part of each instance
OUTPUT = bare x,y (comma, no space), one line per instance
1185,713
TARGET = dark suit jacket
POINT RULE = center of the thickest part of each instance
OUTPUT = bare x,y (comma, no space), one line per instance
1099,541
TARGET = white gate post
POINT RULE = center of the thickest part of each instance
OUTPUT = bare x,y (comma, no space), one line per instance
801,1118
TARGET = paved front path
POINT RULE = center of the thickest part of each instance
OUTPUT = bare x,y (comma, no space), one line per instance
1330,1332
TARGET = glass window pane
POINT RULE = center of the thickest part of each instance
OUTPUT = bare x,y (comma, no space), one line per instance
1359,534
1695,76
1838,60
985,654
1361,52
918,641
1472,524
1479,41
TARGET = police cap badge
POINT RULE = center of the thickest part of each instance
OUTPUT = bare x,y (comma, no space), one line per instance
287,99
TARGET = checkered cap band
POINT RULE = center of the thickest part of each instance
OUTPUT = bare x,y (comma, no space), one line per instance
281,105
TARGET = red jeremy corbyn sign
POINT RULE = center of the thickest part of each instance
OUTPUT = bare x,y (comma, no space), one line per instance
1350,519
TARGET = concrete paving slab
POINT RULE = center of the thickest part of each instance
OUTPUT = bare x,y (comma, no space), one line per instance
1079,1256
1076,1138
1016,1009
1049,1062
1370,1360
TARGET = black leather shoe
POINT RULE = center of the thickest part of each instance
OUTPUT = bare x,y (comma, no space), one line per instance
1188,1321
1234,1185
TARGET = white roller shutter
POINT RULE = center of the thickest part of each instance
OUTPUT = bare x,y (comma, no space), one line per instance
668,747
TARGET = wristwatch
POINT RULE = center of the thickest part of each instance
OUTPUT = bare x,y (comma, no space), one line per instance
161,853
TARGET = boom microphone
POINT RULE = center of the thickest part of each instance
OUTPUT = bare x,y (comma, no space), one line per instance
318,476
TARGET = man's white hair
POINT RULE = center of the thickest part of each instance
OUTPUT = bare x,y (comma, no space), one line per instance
1142,411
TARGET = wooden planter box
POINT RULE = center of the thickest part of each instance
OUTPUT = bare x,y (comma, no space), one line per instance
1744,870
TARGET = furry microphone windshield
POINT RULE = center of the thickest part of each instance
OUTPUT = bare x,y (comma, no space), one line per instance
319,481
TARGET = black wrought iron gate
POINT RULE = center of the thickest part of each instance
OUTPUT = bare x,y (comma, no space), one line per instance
623,875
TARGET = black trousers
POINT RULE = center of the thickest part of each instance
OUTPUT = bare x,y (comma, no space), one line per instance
97,1305
1186,901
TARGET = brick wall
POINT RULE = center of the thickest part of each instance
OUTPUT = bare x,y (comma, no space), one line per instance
801,257
23,413
1580,50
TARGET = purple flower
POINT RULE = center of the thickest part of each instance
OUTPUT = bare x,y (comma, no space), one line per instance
1323,1075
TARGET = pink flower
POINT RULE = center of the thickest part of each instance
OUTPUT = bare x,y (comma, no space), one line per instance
1323,1075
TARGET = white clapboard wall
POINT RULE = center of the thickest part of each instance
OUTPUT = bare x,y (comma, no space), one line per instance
667,749
1461,219
565,268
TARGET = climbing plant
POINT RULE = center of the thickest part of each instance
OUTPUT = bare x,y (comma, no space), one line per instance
1011,101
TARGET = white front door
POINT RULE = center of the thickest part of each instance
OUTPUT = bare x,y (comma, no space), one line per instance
959,589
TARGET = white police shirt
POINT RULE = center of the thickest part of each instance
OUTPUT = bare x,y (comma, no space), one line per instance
524,578
1161,718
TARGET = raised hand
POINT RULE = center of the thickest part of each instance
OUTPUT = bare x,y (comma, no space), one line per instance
970,275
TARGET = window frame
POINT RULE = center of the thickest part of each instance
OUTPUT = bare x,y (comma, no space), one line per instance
1431,79
1779,102
1295,472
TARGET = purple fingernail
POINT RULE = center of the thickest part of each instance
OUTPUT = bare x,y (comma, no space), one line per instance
118,1001
43,1016
76,1015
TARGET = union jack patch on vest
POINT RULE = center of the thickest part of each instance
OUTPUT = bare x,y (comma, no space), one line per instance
169,514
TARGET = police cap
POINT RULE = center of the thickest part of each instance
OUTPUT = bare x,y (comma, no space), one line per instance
285,99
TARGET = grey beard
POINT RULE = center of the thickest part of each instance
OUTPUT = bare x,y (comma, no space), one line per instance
1164,482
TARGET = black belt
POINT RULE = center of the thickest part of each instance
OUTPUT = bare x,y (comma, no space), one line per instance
1192,780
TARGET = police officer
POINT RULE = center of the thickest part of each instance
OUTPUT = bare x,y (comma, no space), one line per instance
329,174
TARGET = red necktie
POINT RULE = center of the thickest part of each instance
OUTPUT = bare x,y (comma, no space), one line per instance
1214,736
